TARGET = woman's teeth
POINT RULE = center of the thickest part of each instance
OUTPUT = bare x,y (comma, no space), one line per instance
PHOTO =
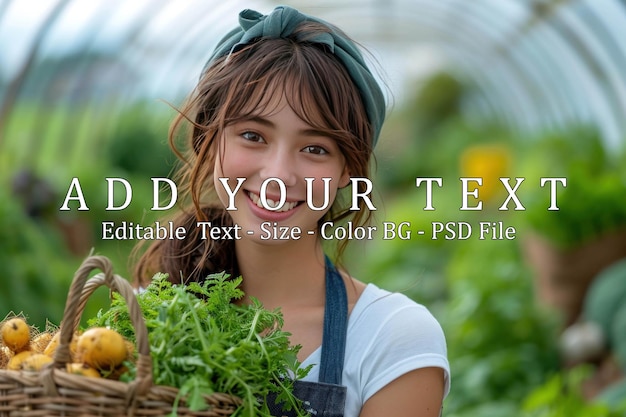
256,199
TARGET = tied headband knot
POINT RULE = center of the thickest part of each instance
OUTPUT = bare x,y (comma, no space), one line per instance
281,23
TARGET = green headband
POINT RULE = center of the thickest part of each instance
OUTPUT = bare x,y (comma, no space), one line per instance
281,23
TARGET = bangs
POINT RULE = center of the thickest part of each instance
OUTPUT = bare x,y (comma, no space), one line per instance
312,81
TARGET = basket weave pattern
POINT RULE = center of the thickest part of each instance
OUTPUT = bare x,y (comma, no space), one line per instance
54,392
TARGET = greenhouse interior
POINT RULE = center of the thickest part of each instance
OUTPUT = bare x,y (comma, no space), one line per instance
526,271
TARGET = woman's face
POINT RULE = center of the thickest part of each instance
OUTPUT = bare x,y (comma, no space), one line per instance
282,146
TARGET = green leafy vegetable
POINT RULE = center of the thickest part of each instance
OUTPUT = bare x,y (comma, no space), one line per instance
203,342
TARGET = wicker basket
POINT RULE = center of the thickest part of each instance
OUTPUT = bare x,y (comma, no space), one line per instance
54,392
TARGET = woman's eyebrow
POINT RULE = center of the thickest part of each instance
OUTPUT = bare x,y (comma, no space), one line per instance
266,122
260,120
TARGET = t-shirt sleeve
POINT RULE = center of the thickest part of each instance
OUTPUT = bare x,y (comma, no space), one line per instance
404,336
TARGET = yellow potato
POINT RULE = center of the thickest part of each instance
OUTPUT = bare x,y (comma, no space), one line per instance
28,360
35,362
54,344
82,369
101,348
15,363
16,334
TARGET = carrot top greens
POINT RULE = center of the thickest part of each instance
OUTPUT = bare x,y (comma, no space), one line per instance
202,342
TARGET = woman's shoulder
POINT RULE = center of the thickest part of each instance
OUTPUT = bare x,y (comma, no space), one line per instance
390,318
390,334
376,302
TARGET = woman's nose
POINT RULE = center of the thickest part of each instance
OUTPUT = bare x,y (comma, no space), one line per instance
281,165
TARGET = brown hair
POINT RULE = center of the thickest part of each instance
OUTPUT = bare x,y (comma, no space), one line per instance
318,89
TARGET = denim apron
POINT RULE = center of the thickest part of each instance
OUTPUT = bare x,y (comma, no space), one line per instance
327,397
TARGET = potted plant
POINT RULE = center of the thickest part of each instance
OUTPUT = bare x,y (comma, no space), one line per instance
569,247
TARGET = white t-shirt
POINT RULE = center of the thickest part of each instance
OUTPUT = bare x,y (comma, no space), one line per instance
388,335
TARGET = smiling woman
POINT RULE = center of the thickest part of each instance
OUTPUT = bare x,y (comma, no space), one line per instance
279,147
280,130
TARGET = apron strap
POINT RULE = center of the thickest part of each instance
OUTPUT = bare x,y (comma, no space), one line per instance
335,327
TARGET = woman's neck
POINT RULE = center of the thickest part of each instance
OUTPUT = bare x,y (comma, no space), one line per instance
289,275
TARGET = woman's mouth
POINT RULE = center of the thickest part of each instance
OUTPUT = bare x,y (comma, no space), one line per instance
271,204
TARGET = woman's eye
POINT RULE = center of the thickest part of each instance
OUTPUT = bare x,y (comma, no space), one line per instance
314,149
252,137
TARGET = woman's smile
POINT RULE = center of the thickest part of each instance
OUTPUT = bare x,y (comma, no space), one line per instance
281,214
272,205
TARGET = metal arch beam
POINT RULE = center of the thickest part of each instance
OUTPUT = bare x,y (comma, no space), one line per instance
178,47
567,98
614,62
568,92
600,30
3,8
559,97
78,152
572,91
515,111
542,57
536,85
16,84
544,61
601,76
69,128
439,28
173,60
543,13
132,51
488,89
197,41
459,44
532,85
463,39
44,123
462,44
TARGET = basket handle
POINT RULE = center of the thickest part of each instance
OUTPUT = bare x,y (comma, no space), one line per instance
81,289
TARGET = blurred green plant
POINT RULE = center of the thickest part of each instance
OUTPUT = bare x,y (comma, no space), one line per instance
428,135
413,146
138,142
501,344
36,248
36,266
561,395
592,203
439,99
